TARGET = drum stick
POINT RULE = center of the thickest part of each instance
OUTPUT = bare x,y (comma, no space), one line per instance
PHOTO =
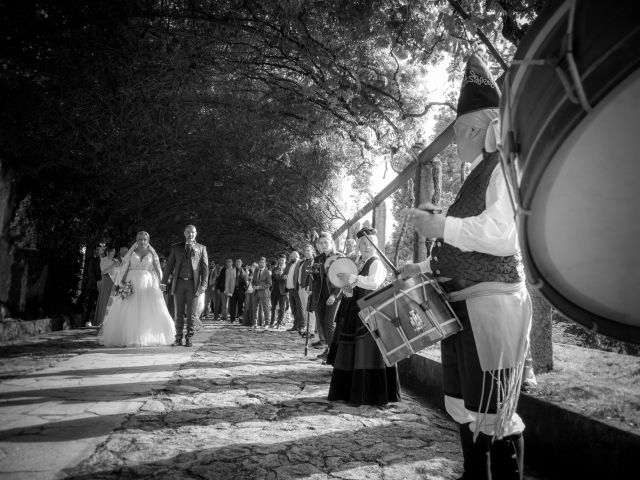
382,255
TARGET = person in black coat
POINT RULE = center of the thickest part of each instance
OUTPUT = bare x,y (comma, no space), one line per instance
278,291
236,302
92,276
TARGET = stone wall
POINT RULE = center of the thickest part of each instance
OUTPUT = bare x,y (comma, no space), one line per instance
12,329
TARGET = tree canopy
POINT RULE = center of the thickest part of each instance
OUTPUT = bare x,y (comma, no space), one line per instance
240,116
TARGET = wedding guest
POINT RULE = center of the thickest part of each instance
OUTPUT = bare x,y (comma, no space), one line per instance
291,275
108,266
248,316
217,297
324,296
278,291
262,286
225,286
350,249
236,302
208,312
168,296
305,280
92,275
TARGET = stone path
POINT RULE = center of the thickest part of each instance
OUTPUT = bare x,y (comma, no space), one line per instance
240,404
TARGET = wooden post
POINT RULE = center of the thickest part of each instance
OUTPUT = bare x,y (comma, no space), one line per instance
380,218
437,181
424,189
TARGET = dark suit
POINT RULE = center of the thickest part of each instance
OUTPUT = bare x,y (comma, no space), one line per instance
293,274
209,292
306,278
90,288
325,314
262,286
189,281
278,295
236,302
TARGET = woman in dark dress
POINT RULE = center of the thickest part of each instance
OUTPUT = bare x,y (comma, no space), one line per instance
360,376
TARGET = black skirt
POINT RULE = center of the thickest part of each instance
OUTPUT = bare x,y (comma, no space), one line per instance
360,376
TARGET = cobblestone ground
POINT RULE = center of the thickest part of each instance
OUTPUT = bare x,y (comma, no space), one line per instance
249,405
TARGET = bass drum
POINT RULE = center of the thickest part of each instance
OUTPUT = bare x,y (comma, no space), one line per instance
570,115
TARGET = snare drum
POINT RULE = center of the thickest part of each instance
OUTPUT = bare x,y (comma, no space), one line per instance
408,316
570,111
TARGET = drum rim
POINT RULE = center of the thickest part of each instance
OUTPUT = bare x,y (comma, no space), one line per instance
569,114
348,262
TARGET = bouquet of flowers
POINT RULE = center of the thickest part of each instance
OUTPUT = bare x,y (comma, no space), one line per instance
124,291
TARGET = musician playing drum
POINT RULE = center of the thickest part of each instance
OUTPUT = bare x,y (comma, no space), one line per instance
360,375
476,260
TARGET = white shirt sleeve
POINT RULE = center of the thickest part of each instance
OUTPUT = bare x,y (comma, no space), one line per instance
494,230
377,274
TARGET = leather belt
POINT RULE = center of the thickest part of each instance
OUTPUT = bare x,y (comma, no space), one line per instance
456,284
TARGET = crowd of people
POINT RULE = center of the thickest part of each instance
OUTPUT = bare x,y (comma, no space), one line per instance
474,260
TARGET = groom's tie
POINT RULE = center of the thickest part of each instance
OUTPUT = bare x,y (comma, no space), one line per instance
187,251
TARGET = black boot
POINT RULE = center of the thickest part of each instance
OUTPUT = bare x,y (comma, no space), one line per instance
477,462
507,458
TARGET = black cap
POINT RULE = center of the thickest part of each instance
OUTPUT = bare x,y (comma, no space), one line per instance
366,231
479,90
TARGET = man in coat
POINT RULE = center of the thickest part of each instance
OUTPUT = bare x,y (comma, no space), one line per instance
262,287
292,278
236,302
188,266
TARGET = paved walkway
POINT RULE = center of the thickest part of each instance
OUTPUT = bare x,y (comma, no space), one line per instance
239,404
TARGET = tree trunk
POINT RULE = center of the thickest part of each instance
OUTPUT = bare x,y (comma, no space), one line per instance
427,182
7,198
24,285
541,344
437,181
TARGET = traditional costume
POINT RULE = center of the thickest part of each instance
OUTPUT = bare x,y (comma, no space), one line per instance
478,264
360,375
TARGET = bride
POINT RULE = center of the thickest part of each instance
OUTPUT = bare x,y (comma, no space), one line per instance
142,319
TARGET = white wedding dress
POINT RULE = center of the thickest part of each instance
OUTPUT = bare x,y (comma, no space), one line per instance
142,319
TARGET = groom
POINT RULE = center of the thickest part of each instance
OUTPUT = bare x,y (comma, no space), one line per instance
189,269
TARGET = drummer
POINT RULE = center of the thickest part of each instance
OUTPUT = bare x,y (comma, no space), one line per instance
477,262
360,376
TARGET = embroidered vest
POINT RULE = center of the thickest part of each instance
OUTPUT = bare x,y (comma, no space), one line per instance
364,271
449,261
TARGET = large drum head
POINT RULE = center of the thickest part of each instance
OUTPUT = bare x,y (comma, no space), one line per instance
583,232
577,170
